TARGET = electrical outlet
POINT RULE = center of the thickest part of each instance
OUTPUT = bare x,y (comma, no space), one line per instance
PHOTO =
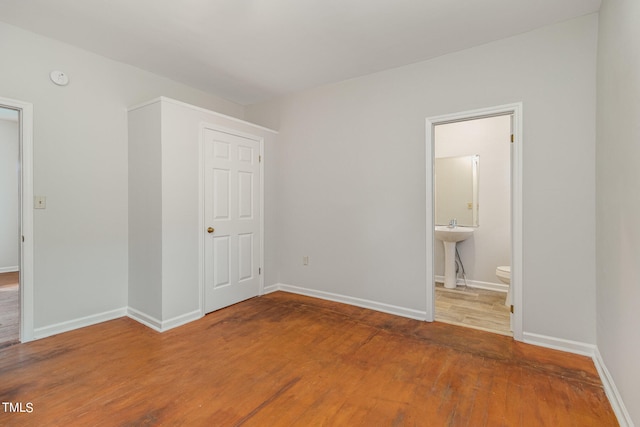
305,260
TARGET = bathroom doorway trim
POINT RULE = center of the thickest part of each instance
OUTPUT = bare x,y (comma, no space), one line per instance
25,110
517,285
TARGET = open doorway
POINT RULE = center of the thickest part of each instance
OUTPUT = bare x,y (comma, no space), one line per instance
16,222
481,151
472,168
9,226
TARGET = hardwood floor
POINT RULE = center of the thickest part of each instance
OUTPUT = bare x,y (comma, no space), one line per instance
9,309
289,360
473,308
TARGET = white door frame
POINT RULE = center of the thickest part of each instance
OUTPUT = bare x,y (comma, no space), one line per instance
201,218
516,205
26,215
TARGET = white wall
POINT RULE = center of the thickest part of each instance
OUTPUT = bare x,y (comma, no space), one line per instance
9,221
351,173
80,165
490,245
618,197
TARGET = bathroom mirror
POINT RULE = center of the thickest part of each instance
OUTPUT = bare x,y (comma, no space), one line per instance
456,190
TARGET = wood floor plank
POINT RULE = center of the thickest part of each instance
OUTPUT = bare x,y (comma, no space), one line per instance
288,360
478,413
9,309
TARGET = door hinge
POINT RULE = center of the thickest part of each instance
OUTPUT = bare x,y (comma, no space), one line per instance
259,159
23,239
511,308
259,270
512,138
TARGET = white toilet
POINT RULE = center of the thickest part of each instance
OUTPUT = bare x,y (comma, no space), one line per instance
504,275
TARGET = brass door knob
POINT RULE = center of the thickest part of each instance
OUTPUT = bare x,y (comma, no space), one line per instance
210,230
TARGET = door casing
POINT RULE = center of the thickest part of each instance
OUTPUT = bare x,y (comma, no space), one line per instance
515,110
26,215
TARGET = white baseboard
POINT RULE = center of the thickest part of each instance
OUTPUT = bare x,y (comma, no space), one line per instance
134,314
82,322
498,287
624,419
561,344
358,302
271,288
10,269
145,319
180,320
162,325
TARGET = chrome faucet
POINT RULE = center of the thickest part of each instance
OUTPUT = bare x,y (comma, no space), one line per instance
453,223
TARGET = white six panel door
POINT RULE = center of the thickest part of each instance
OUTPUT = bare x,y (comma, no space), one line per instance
232,218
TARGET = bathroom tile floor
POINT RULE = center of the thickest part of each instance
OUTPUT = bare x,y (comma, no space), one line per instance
474,308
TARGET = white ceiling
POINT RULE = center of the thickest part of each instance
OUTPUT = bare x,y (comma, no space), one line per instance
251,50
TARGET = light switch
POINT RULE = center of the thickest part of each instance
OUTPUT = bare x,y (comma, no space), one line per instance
39,202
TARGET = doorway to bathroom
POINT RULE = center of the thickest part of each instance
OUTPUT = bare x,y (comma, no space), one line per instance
474,219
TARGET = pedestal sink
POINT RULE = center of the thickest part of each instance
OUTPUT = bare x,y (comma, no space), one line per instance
449,237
